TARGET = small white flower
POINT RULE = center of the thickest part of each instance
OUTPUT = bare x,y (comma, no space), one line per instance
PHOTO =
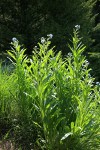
50,36
42,40
77,27
14,39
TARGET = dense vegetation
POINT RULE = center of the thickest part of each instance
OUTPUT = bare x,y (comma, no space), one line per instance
49,96
29,20
49,102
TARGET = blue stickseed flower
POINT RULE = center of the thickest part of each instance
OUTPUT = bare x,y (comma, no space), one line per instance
42,40
14,39
86,62
77,27
69,54
97,83
50,36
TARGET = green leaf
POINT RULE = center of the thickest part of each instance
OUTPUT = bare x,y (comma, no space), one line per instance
36,124
11,54
66,136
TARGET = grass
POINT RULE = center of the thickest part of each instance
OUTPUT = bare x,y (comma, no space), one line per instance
49,99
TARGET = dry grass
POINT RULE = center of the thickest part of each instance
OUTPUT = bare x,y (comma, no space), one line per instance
7,145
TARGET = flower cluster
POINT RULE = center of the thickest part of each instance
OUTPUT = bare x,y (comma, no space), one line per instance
43,40
69,54
50,36
98,83
14,39
77,27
